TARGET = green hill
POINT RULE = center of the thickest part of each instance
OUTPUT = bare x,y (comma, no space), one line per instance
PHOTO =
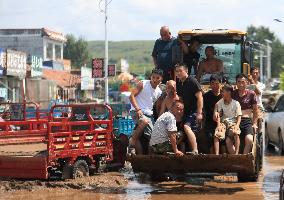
137,53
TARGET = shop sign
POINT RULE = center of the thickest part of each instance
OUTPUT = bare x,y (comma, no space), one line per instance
111,70
4,93
97,68
87,82
2,61
16,63
36,70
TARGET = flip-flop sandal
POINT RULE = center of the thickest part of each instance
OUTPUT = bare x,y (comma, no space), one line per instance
131,150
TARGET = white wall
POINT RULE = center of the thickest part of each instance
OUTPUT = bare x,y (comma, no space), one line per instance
46,40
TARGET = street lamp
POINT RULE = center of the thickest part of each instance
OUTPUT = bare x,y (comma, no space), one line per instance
106,54
107,2
278,20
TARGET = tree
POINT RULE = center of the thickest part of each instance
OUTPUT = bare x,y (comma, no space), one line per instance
259,34
282,81
148,74
77,51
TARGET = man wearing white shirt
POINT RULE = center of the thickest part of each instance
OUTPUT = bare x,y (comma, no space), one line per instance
164,137
256,86
142,100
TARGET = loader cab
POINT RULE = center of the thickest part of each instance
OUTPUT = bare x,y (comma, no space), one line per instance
230,47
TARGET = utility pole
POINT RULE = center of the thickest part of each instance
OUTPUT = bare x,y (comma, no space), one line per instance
261,65
263,73
269,50
106,55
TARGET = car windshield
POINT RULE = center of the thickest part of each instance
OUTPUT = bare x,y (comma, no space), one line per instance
280,104
275,86
230,54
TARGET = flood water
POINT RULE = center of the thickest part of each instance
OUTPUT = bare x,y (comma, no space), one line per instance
194,188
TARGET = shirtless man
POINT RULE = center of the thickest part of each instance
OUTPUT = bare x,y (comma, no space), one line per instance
167,104
170,98
210,65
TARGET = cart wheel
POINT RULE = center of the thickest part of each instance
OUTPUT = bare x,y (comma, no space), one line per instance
67,171
80,169
93,169
119,153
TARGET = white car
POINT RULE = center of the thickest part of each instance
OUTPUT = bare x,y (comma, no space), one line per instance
274,126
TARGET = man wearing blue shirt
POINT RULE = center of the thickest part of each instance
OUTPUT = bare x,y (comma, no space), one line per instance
162,53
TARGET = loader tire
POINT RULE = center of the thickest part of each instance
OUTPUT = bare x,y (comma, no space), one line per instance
157,176
247,178
259,153
254,176
261,149
80,169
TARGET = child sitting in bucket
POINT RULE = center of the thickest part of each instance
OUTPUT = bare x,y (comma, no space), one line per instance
228,117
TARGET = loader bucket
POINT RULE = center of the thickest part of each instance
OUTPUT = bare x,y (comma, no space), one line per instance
241,164
23,167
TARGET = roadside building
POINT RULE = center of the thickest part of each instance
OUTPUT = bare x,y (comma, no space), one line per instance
40,42
32,60
66,84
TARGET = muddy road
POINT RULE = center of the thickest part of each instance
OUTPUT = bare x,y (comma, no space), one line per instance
126,185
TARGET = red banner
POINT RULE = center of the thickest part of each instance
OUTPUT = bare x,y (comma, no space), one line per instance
111,70
97,68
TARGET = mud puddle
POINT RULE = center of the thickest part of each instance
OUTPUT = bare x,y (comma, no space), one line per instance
126,185
106,182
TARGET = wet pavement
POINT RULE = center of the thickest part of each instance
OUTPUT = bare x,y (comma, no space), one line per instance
126,185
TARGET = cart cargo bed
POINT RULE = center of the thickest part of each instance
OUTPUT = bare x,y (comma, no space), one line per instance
24,150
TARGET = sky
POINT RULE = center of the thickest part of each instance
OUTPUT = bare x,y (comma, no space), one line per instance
140,19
